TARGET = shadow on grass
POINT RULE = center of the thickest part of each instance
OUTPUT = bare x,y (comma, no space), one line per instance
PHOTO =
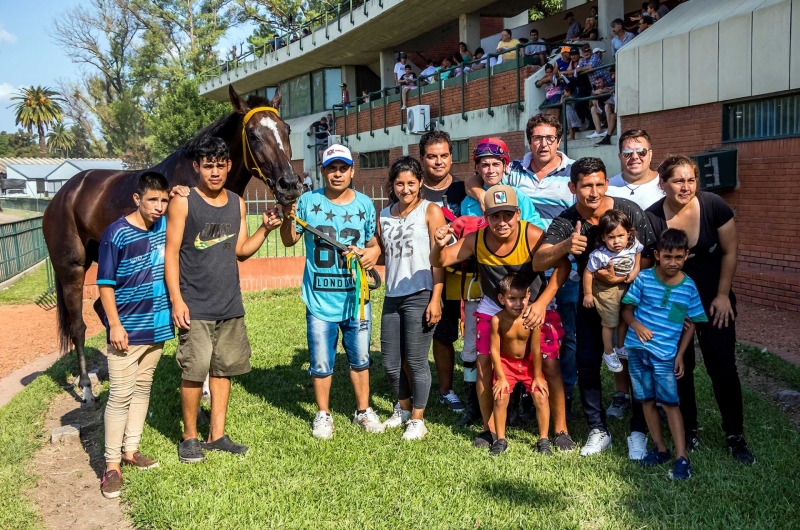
518,493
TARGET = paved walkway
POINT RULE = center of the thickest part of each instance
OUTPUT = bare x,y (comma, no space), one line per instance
16,381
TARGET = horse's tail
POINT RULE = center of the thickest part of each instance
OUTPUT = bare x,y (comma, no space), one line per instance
64,324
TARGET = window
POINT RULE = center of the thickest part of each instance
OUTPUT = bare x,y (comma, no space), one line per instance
461,151
311,93
761,119
374,159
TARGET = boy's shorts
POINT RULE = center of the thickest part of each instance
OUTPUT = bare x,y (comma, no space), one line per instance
550,342
652,378
213,347
323,338
518,371
607,300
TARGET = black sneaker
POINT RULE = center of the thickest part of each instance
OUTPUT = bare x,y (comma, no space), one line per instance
692,441
605,141
498,447
191,451
570,416
564,442
543,447
225,444
739,450
484,440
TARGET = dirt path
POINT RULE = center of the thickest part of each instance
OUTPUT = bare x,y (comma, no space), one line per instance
6,218
68,490
28,332
775,329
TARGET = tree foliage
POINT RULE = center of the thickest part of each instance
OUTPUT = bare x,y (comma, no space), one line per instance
37,108
60,140
545,8
20,144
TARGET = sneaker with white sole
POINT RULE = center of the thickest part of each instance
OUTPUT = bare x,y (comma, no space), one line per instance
637,445
322,427
595,135
415,430
612,361
619,404
451,401
597,442
369,421
622,353
399,417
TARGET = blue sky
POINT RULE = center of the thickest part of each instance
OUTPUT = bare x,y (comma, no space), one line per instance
28,55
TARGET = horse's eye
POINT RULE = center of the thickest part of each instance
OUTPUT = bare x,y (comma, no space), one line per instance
252,135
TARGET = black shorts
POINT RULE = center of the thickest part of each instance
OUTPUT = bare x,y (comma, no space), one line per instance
447,328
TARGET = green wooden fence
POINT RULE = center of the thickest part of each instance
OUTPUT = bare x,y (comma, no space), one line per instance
21,246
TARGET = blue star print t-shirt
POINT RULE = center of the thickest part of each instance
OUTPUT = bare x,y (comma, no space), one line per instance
131,260
328,288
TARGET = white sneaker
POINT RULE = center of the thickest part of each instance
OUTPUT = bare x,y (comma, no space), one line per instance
595,135
415,430
322,427
603,134
398,418
612,361
597,442
622,353
403,107
369,421
637,445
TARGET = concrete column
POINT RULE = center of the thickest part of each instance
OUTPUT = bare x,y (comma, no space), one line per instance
608,10
349,78
469,30
388,60
517,21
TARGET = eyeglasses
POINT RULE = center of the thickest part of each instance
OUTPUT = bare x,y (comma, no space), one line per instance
538,139
641,151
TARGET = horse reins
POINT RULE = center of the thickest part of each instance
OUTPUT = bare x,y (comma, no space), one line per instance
247,149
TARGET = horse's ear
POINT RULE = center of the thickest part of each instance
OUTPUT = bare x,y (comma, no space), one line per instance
275,103
239,104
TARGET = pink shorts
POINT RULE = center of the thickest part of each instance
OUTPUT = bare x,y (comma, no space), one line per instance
552,333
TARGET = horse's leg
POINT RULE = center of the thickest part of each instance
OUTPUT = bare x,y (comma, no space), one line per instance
72,288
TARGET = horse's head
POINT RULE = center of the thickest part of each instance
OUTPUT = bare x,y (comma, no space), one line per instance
267,151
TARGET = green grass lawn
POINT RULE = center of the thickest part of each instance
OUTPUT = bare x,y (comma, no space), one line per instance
26,290
361,480
272,247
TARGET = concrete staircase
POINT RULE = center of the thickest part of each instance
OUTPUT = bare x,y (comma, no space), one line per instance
582,146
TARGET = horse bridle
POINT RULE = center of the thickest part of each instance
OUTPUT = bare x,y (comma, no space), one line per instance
247,149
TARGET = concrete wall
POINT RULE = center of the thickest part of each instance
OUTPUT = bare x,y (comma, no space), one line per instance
769,249
709,51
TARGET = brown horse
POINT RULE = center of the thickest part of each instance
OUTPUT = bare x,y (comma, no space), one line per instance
91,200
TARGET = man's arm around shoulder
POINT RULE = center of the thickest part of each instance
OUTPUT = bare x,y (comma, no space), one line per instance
176,222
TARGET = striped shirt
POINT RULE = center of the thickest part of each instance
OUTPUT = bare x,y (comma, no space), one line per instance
662,308
132,261
550,194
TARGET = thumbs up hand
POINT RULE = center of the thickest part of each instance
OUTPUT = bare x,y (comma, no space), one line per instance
578,242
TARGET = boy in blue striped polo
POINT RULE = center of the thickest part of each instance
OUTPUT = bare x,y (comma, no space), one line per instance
130,275
657,304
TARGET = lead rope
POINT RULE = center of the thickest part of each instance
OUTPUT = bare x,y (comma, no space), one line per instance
359,274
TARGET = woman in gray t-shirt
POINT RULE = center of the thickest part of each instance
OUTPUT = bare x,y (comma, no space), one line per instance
412,306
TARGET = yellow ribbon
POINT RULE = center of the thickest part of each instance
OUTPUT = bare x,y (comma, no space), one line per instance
246,145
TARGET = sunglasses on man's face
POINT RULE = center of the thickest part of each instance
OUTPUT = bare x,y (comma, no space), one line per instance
641,151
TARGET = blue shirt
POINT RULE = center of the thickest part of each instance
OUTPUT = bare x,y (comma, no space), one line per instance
132,261
527,211
662,308
617,43
328,289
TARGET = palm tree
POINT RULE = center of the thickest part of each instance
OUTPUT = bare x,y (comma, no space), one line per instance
60,139
38,107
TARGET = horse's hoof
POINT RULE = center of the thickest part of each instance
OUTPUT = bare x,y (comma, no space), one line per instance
88,397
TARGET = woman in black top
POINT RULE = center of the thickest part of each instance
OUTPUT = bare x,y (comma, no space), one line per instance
708,221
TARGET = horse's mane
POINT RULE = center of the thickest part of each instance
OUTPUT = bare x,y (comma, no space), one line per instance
225,127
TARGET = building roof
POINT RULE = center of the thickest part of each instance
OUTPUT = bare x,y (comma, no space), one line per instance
70,168
57,161
32,171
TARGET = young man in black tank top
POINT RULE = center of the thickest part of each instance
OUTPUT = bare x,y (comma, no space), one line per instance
202,277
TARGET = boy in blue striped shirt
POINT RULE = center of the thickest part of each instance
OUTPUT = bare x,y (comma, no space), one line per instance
656,306
130,275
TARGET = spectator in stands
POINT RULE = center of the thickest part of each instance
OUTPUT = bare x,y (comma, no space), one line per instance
563,62
426,76
553,83
459,65
610,109
444,71
593,10
345,96
599,88
573,27
634,28
507,45
464,52
538,51
331,124
588,61
320,131
574,123
589,31
364,97
621,37
308,184
485,61
644,23
400,68
656,10
407,82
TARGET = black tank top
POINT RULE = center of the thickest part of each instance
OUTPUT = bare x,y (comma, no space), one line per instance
209,270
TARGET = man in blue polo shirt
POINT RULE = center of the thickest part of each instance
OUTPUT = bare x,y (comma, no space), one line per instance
138,319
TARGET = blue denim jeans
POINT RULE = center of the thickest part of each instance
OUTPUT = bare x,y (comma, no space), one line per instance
567,300
323,338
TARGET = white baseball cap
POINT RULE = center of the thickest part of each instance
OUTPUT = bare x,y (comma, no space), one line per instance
337,152
595,50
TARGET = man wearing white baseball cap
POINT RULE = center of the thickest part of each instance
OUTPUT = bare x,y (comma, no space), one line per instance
328,288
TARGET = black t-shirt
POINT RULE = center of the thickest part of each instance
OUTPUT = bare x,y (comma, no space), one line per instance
704,264
320,130
454,194
562,227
